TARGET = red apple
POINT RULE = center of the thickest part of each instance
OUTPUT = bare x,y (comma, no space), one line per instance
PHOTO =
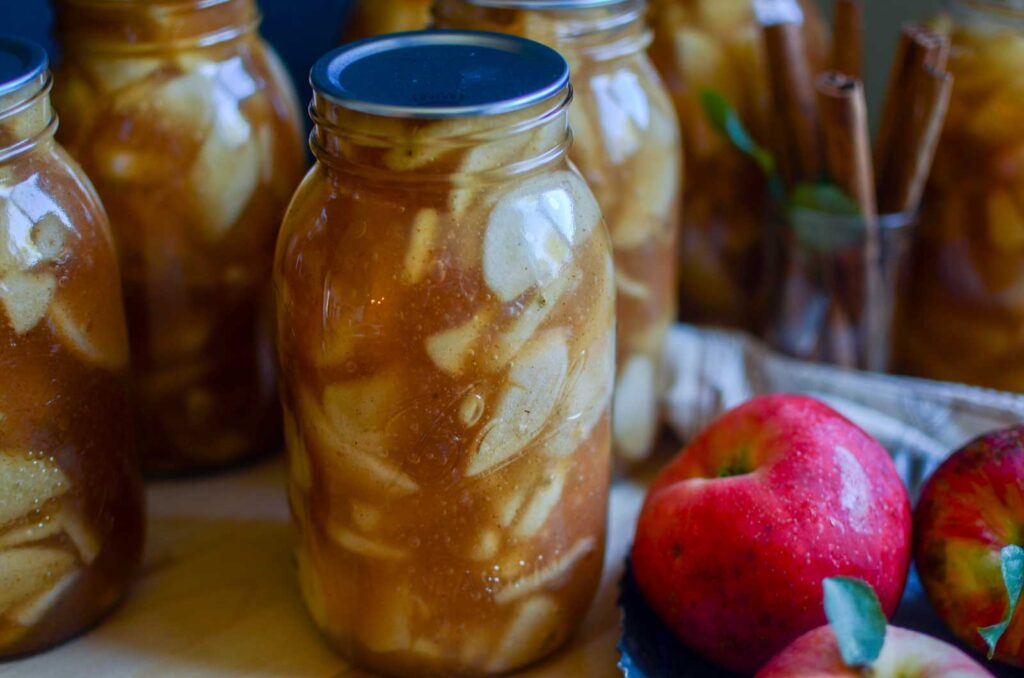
738,531
971,508
906,654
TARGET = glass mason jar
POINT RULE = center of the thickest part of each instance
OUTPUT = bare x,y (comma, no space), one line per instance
962,318
626,143
368,18
71,522
190,129
445,297
716,45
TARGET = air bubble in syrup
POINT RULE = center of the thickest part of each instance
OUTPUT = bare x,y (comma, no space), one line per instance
471,409
438,271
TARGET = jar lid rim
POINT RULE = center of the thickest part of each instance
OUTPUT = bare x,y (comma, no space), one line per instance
21,62
439,74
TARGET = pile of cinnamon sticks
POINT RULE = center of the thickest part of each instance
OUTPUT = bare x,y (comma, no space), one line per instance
822,137
823,123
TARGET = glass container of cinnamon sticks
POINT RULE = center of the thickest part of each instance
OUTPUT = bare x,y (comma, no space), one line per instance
849,209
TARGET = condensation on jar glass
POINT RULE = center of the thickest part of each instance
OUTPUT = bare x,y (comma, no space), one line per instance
716,45
626,143
191,131
367,18
962,315
71,518
445,296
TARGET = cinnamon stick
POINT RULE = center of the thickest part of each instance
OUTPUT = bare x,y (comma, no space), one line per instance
793,101
844,125
848,45
911,163
857,282
919,49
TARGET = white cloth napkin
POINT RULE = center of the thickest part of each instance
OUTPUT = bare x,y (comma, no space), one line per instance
919,421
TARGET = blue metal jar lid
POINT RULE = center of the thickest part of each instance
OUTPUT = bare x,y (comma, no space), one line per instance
440,74
21,62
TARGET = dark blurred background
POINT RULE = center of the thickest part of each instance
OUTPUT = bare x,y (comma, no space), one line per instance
302,30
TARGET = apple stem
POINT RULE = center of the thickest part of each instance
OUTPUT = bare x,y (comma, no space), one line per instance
738,466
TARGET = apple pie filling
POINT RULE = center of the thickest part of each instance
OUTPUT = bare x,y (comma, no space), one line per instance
445,300
715,45
962,316
626,143
70,494
188,125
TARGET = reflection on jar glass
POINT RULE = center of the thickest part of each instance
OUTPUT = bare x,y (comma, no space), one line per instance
626,143
963,316
445,299
367,18
716,45
70,493
189,127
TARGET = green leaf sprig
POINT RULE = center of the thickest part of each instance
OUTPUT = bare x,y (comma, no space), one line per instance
726,120
857,620
824,197
807,201
1012,561
825,218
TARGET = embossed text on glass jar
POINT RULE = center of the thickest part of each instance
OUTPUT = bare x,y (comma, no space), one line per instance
445,309
189,128
70,493
626,143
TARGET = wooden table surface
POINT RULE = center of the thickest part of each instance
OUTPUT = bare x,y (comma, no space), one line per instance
217,595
